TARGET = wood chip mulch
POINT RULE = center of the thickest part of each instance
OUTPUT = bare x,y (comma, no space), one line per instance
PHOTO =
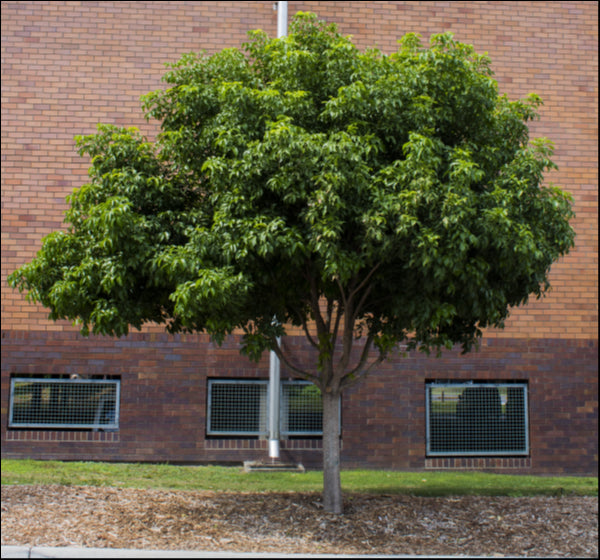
561,526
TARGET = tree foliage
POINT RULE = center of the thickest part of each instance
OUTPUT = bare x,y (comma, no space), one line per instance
354,194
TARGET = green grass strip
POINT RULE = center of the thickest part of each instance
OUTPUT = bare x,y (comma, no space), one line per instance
234,479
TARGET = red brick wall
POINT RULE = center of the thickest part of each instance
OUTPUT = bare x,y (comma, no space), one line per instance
163,402
562,379
69,65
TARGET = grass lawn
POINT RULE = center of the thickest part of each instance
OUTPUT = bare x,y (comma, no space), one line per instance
234,479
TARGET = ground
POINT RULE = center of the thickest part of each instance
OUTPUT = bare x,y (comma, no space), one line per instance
559,526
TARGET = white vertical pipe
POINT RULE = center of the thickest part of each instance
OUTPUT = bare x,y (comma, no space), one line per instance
274,405
274,366
282,19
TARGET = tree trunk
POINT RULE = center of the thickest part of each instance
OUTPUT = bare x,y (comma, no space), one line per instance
332,487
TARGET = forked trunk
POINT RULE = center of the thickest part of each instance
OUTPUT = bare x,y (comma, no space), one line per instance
332,487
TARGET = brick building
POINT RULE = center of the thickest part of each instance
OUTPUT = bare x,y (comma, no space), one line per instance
69,65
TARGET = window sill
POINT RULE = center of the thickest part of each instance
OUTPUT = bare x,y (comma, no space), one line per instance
63,435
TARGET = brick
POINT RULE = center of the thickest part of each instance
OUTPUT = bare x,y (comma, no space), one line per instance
81,82
562,378
67,66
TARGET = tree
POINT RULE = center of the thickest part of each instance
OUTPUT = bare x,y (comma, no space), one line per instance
368,199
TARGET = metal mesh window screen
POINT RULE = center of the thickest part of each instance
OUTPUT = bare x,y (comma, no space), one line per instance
237,407
64,403
301,409
240,408
477,419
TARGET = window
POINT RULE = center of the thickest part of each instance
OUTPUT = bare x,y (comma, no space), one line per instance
301,409
58,403
240,408
477,419
237,408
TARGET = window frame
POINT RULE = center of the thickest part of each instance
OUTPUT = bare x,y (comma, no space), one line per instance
262,431
473,452
284,412
61,380
262,428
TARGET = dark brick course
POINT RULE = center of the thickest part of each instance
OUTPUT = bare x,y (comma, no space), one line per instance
163,402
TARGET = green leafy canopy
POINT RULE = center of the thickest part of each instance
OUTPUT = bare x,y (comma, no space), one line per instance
397,197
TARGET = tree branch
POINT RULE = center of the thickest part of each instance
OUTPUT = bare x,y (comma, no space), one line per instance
302,373
330,304
304,324
360,372
347,338
365,280
351,381
358,308
342,292
314,300
348,301
336,326
311,340
363,356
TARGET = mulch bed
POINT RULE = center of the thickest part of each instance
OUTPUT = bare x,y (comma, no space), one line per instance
561,526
